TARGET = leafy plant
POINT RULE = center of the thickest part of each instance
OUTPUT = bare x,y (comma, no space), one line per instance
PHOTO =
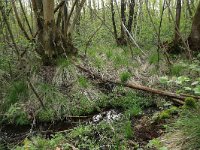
156,143
16,114
197,90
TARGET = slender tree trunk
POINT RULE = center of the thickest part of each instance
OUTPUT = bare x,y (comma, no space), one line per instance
26,19
131,13
9,29
113,19
123,19
19,21
177,22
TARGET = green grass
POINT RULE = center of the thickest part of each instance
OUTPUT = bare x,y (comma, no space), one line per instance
125,76
188,123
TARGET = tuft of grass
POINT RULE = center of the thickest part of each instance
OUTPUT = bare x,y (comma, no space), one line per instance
128,130
153,59
83,82
125,76
109,54
177,69
133,111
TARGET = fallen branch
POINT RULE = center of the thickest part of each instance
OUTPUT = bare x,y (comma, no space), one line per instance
177,98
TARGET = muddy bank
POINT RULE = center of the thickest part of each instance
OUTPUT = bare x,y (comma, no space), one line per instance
15,134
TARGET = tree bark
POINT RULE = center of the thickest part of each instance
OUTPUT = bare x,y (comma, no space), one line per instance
49,27
123,19
194,38
113,19
131,13
54,36
177,22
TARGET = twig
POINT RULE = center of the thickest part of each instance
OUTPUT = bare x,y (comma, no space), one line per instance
36,94
131,37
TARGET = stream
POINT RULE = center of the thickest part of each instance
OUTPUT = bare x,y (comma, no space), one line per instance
15,134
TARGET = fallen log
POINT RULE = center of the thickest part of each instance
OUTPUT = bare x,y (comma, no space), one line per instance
177,98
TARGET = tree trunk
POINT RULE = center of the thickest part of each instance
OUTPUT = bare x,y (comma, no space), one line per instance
49,28
123,20
54,36
177,23
131,13
113,20
194,38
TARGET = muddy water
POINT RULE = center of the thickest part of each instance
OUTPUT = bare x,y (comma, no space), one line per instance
14,134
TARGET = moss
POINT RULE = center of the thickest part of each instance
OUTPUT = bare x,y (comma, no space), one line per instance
164,115
190,103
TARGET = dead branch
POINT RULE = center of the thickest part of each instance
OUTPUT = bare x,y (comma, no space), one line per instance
36,94
177,98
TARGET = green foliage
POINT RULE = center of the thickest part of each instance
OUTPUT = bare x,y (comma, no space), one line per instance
182,79
120,61
131,100
134,110
16,115
17,92
197,90
46,115
109,54
156,143
164,80
63,62
83,82
166,114
128,130
153,59
82,105
190,102
188,123
41,143
177,69
125,76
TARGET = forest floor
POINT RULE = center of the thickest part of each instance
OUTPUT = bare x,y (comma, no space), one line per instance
82,112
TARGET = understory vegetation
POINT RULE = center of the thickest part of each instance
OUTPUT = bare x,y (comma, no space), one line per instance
91,88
